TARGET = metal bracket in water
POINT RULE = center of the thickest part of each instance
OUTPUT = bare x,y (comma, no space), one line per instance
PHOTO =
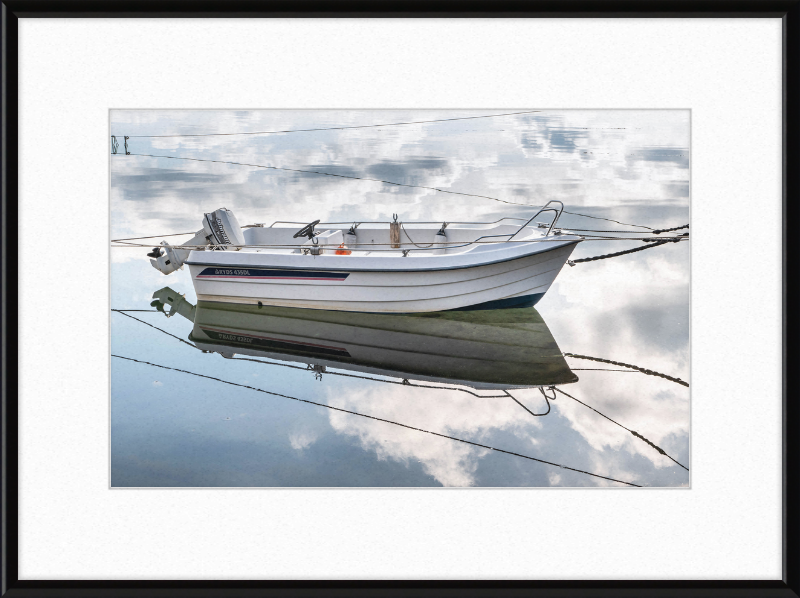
114,144
545,395
127,153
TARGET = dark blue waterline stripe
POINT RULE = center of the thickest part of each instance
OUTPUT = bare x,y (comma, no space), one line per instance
510,302
271,274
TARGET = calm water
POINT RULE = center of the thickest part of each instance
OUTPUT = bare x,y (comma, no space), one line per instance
447,399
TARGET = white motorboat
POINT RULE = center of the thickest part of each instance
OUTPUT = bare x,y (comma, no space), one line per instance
377,267
487,349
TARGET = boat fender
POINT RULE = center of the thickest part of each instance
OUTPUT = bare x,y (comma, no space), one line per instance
343,250
223,230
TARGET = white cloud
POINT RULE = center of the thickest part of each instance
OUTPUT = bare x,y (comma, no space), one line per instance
302,440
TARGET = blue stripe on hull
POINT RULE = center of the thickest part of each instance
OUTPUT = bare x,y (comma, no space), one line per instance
270,274
522,301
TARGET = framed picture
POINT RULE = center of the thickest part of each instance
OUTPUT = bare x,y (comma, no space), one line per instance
389,302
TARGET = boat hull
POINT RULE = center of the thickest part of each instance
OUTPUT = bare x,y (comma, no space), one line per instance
518,281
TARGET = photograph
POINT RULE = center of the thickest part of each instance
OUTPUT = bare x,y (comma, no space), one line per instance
400,298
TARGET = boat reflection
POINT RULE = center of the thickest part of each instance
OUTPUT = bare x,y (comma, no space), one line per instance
487,349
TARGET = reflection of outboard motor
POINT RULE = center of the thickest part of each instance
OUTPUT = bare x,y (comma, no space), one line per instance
177,303
220,230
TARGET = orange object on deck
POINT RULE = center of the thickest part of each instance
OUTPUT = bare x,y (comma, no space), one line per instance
342,250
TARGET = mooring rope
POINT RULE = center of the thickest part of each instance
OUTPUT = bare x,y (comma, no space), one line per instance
608,255
602,370
484,446
658,448
669,230
633,367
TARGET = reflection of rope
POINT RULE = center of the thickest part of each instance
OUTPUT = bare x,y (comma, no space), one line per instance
376,419
633,367
658,448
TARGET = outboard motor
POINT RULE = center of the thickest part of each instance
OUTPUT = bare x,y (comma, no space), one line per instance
223,230
220,230
168,259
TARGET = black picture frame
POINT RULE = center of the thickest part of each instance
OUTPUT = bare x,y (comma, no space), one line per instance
12,10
